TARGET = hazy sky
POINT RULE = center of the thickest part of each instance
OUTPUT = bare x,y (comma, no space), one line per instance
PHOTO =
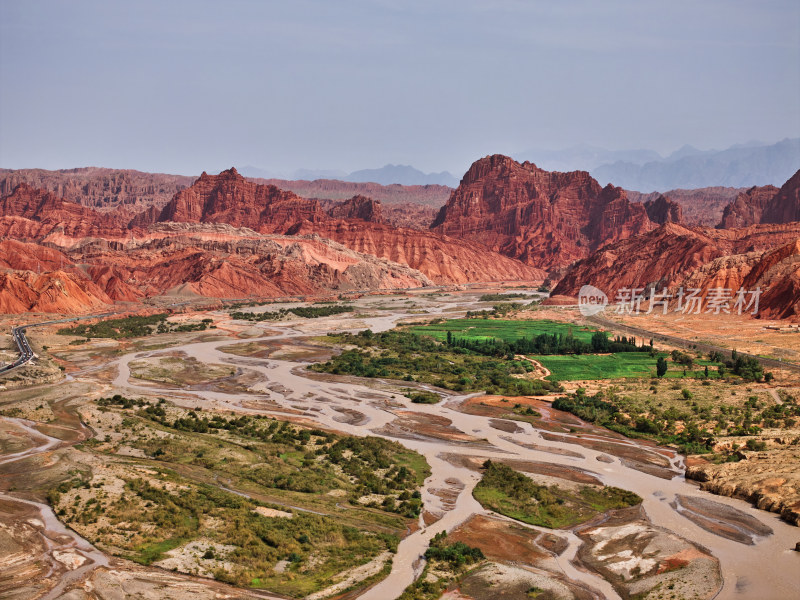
186,86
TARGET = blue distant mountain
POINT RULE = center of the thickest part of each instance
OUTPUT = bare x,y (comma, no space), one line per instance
743,165
583,157
402,174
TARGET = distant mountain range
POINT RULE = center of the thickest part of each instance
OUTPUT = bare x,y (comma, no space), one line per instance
386,175
584,157
402,174
743,165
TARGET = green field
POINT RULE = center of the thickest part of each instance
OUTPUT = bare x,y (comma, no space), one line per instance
563,367
622,365
502,329
573,367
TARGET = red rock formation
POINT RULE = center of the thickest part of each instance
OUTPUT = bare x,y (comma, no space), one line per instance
663,210
30,213
765,205
662,256
116,281
99,188
401,214
189,259
442,259
216,239
358,207
700,207
778,274
545,219
262,266
775,272
52,292
24,256
748,207
230,198
673,256
332,189
410,215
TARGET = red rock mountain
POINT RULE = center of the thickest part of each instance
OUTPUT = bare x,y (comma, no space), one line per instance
222,237
669,255
766,204
358,207
701,207
443,259
408,214
30,213
51,292
187,260
546,219
331,189
778,273
762,255
663,210
99,188
230,198
400,214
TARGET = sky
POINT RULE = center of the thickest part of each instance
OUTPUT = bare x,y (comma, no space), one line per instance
186,86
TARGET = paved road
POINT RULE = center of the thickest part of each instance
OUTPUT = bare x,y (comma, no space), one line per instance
684,343
25,352
24,347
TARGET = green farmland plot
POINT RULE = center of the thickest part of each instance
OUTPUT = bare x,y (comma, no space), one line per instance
563,367
502,329
571,367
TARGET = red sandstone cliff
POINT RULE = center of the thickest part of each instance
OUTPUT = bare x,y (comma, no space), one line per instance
230,198
30,213
331,189
662,210
97,187
546,219
766,204
670,255
701,207
443,259
358,207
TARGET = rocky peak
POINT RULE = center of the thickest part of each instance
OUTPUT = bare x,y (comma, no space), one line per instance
230,198
547,219
231,173
358,207
765,204
663,210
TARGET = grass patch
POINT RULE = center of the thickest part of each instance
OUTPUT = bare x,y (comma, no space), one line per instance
688,413
133,326
403,355
306,312
578,367
450,562
421,397
513,494
150,553
505,330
